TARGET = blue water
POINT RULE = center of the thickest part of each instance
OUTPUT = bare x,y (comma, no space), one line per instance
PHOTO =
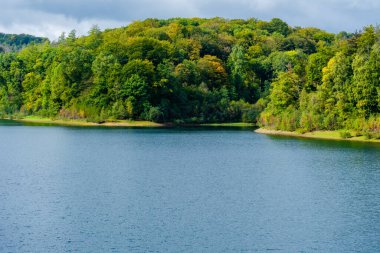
66,189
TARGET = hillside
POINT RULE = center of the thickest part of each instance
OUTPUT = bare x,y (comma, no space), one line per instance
201,70
15,42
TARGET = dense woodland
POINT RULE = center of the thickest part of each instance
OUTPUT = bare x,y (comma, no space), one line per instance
201,70
15,42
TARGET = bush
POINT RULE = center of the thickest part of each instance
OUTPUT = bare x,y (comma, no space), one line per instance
154,114
371,135
302,130
250,116
345,134
96,116
367,135
118,111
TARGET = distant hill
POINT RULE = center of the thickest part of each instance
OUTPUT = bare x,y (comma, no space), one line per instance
15,42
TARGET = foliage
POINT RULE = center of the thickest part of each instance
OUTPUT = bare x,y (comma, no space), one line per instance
15,42
345,134
199,70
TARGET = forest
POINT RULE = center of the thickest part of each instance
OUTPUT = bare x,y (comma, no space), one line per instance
15,42
199,70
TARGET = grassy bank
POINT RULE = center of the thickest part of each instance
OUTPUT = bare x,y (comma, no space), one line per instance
326,135
82,122
237,124
118,123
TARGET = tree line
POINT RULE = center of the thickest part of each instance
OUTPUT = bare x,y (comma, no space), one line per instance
200,70
15,42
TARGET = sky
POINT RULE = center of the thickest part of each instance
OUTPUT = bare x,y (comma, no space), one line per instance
49,18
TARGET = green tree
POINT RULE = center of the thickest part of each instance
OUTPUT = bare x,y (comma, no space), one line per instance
212,71
285,92
143,68
136,90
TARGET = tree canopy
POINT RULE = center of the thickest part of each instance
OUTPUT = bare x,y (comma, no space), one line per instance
15,42
200,70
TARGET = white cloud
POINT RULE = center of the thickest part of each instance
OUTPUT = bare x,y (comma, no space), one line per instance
51,25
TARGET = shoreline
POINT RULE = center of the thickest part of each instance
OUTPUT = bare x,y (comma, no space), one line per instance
321,135
83,123
119,123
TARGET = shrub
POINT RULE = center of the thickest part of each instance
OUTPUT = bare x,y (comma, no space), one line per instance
302,130
367,135
154,114
345,134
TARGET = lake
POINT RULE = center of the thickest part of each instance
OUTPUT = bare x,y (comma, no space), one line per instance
71,189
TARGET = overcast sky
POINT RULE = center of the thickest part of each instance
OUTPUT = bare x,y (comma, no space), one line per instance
52,17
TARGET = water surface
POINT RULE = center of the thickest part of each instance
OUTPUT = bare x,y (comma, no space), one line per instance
67,189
